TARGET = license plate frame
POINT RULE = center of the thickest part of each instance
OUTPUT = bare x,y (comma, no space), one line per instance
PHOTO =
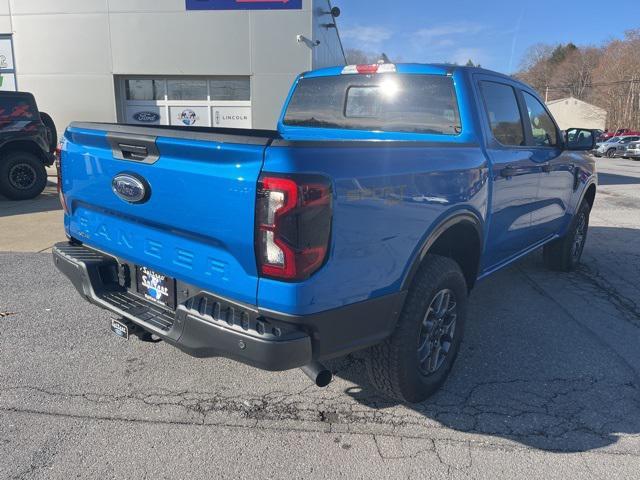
156,287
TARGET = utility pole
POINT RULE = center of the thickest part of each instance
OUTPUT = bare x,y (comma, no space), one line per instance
546,95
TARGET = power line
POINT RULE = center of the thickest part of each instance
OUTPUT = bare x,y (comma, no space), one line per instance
569,86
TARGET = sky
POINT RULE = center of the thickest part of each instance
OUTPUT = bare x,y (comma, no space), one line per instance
495,34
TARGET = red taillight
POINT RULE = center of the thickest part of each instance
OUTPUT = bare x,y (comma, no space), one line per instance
63,201
293,225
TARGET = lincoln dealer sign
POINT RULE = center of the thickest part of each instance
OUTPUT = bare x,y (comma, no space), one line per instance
244,4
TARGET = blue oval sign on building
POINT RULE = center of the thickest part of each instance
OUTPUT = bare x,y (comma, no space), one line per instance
244,4
131,188
146,117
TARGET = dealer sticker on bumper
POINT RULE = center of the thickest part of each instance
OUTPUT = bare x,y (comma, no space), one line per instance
120,329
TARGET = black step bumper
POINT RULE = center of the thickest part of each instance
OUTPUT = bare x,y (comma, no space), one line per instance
207,325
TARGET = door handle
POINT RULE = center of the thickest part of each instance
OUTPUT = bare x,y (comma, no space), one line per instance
508,172
547,168
133,147
134,152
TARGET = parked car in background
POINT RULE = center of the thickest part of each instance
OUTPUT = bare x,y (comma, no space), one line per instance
615,147
633,151
28,142
621,132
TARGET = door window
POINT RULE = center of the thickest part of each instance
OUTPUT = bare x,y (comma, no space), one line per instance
544,130
504,115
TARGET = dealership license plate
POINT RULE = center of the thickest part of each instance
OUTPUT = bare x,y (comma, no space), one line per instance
156,287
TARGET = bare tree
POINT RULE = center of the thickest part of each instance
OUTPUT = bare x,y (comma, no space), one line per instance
356,56
536,68
575,71
607,76
617,82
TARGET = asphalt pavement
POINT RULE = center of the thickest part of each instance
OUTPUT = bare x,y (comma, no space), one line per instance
547,384
32,225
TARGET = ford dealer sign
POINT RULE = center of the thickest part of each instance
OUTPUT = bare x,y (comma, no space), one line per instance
244,4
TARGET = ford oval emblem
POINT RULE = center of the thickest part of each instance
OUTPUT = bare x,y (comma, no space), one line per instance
146,117
131,188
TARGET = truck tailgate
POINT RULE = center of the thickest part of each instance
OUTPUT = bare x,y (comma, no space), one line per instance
197,222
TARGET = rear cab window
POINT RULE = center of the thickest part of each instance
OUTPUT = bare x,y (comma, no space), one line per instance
388,102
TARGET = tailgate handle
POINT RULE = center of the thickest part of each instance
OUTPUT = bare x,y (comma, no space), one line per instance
133,152
134,148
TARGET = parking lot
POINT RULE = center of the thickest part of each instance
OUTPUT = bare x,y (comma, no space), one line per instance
547,384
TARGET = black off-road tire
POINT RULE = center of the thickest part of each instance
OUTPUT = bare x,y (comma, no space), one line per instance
393,366
22,176
564,254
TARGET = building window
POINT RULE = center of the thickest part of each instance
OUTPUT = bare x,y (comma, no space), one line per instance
188,90
223,101
231,88
146,89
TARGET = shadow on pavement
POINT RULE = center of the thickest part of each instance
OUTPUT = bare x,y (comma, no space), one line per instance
529,370
48,201
605,179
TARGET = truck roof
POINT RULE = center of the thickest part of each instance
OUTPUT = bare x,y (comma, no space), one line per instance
412,68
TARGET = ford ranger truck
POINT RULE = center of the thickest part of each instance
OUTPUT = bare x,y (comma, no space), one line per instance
362,223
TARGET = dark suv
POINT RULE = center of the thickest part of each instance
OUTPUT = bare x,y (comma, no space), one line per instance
27,145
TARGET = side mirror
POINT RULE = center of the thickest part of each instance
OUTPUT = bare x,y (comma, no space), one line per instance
579,139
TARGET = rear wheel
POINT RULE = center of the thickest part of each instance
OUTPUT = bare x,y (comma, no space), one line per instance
565,253
416,360
22,176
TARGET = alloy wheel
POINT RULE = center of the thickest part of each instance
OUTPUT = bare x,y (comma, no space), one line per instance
22,176
579,237
436,332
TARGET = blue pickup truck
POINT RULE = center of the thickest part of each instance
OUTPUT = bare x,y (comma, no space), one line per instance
361,224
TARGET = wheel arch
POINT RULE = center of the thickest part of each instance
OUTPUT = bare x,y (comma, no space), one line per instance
589,195
459,236
22,146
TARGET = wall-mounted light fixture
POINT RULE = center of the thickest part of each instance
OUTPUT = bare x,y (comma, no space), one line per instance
307,41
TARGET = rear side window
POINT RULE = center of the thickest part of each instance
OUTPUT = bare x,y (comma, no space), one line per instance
504,114
385,102
16,109
544,130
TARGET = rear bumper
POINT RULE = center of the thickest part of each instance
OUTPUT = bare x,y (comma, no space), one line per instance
207,325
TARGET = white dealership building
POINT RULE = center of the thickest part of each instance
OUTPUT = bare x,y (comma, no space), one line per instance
223,63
